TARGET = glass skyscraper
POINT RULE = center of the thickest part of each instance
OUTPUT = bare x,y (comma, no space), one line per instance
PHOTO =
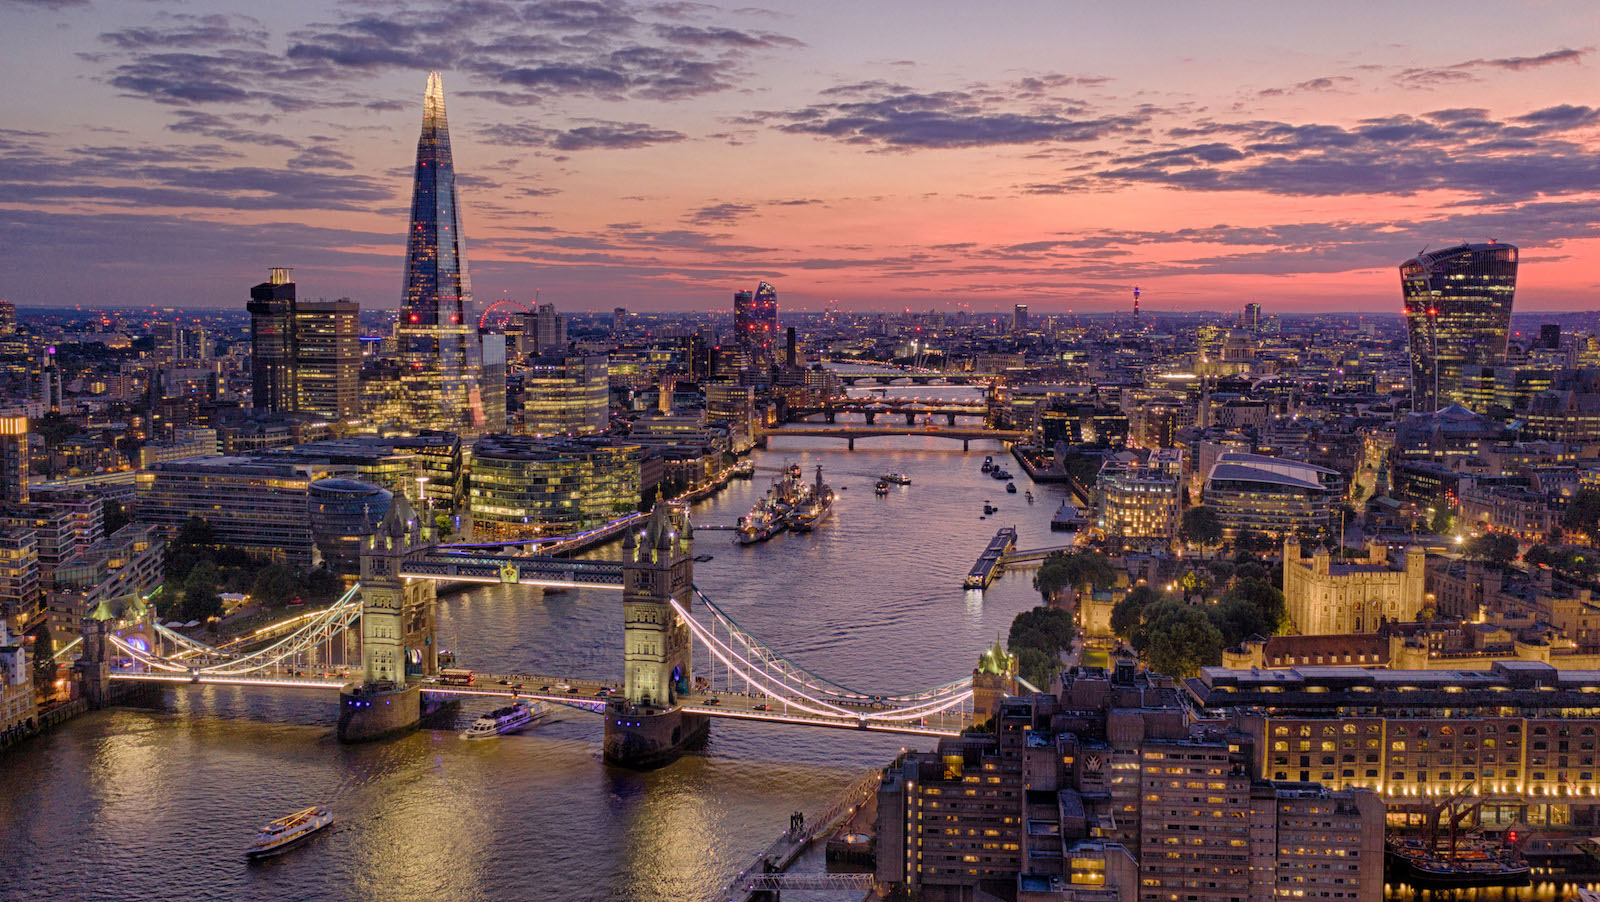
1458,313
432,331
755,321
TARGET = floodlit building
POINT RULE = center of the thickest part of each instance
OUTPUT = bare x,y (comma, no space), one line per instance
1271,496
525,486
1141,501
1324,596
566,394
251,503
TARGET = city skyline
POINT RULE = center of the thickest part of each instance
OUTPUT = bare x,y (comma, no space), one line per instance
665,155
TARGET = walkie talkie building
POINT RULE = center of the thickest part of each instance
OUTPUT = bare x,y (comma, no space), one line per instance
1458,313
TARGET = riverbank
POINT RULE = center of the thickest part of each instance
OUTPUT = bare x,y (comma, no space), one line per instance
121,694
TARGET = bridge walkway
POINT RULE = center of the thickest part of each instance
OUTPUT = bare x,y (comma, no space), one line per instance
589,694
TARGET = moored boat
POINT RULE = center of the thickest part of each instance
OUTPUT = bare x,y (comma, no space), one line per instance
509,719
1011,488
896,478
288,831
988,465
1419,865
809,513
1067,518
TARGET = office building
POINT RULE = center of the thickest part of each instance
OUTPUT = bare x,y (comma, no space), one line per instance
127,562
1325,596
755,323
327,358
432,330
275,523
272,371
1019,318
733,406
1141,501
21,603
566,394
1458,313
13,459
432,461
1271,496
524,486
619,320
548,328
8,319
1250,320
188,442
344,512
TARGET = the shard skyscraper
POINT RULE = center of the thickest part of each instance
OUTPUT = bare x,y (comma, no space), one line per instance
436,376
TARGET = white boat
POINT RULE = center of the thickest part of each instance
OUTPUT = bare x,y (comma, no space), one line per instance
288,831
509,719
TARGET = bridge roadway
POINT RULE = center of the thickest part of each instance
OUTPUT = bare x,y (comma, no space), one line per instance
586,694
959,433
550,573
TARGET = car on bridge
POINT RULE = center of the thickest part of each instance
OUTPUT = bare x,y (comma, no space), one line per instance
763,707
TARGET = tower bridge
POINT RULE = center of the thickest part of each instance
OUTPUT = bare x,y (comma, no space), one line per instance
375,647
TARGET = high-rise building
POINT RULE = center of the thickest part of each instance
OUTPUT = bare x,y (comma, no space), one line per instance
8,318
1019,318
524,486
327,358
566,394
432,330
755,321
1458,312
1250,320
619,319
272,372
1549,336
548,328
14,459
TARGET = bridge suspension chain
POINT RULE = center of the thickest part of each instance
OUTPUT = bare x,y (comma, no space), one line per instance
802,679
334,619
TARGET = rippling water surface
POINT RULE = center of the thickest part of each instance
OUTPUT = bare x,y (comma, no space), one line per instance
158,804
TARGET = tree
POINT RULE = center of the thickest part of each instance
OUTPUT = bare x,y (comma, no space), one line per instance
276,584
1083,570
1583,514
201,600
1037,667
322,585
1179,640
1237,619
1265,597
44,662
1201,526
1127,614
1443,519
1493,548
116,516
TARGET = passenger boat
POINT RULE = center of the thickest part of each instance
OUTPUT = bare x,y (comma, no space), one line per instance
896,478
882,488
509,719
1011,488
761,524
1029,496
745,470
989,508
988,465
286,832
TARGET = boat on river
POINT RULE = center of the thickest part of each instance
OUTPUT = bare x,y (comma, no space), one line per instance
289,831
1473,864
896,478
510,719
809,513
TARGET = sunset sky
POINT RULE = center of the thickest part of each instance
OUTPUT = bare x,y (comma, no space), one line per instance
659,156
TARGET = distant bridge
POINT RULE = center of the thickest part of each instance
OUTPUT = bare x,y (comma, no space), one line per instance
963,434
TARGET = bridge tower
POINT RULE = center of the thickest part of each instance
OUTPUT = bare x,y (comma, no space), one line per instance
645,725
397,619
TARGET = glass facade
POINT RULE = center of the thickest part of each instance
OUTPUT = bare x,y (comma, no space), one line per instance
1458,313
432,331
275,521
524,486
343,512
755,320
272,384
566,395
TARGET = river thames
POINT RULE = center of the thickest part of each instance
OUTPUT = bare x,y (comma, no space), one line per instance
159,804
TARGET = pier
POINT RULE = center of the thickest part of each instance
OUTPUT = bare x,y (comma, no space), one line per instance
992,561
